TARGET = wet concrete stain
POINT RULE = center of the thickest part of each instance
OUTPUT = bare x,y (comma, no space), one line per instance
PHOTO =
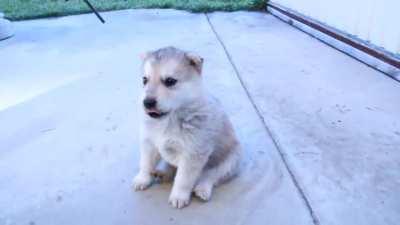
304,153
48,130
342,108
113,128
373,108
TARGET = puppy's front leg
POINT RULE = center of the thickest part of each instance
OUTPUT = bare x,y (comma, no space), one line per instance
186,176
149,158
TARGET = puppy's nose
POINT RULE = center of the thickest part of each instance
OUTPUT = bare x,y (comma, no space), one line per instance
149,103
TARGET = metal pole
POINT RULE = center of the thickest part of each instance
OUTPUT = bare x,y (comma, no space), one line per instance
94,10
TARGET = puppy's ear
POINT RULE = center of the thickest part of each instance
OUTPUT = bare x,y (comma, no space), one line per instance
144,55
195,60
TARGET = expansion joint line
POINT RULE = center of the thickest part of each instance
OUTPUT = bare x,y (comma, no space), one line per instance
266,127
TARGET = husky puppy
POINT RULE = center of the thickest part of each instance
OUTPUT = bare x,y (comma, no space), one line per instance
184,128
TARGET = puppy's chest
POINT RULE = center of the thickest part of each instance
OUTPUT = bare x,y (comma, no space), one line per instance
170,145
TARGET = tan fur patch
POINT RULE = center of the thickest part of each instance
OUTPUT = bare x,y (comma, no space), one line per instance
171,61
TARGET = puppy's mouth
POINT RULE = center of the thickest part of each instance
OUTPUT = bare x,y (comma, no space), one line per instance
153,113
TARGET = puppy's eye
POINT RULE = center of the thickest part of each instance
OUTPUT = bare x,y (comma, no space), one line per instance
145,80
169,82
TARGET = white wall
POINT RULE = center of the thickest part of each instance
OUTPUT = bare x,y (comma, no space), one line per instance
372,20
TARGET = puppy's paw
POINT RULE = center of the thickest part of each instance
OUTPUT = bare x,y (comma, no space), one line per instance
179,200
203,191
141,182
163,176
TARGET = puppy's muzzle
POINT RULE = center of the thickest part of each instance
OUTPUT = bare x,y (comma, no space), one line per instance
150,105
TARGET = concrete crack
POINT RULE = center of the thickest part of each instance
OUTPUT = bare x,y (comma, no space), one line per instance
266,127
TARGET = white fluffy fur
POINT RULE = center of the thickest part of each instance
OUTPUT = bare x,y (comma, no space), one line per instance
195,137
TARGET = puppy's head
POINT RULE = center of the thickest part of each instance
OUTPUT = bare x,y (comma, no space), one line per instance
171,79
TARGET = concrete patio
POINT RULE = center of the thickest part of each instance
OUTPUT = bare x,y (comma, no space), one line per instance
320,130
